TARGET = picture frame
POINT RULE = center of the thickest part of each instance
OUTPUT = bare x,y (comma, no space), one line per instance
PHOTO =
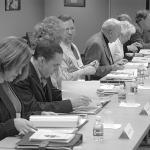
74,3
12,5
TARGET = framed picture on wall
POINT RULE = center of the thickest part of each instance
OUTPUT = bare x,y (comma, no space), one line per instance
11,5
74,3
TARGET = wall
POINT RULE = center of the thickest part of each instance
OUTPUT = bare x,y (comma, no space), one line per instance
88,19
126,6
18,22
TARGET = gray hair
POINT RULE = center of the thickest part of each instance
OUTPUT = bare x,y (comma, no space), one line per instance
127,27
53,28
110,25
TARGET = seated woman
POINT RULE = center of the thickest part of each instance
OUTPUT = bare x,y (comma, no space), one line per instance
14,58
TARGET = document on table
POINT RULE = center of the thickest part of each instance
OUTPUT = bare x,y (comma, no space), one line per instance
141,59
111,126
132,65
75,89
120,76
41,135
145,51
144,87
59,130
129,104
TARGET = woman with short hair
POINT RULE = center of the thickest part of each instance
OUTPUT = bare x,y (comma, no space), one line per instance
14,58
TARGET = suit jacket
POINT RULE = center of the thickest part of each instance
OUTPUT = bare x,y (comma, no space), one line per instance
97,49
36,98
7,115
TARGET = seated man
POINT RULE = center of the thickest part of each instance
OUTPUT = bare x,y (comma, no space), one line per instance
36,92
143,23
97,48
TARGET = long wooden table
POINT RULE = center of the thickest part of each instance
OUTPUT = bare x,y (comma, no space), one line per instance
119,115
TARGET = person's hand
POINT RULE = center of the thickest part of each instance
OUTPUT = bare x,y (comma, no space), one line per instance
117,67
23,126
89,70
129,54
94,63
138,44
132,48
100,92
122,62
81,101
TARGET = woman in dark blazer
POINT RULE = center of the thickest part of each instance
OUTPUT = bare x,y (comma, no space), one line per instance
14,58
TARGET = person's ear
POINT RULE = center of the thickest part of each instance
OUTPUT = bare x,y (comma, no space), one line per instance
110,34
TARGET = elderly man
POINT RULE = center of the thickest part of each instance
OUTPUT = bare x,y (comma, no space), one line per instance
97,48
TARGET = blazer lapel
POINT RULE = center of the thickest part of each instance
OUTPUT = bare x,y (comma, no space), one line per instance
107,51
36,79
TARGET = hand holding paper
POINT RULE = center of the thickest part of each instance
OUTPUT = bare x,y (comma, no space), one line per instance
23,126
80,101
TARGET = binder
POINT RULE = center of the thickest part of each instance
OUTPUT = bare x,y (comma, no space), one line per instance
25,143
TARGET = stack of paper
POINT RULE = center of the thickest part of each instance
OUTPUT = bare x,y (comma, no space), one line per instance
132,65
120,76
145,51
51,136
141,59
127,71
55,121
75,89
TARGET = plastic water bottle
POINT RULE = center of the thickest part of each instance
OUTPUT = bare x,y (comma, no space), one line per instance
121,94
134,86
98,129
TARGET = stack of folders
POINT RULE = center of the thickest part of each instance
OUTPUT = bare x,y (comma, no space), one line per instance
58,121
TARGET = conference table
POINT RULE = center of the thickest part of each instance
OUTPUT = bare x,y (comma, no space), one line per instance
118,115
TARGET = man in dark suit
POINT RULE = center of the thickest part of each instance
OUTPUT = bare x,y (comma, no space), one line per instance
97,48
37,92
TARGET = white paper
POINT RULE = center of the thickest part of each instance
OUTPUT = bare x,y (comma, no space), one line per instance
111,126
52,136
144,87
120,76
75,89
145,51
55,121
122,104
58,130
141,59
132,65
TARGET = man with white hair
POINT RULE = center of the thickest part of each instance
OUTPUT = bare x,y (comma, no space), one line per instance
97,48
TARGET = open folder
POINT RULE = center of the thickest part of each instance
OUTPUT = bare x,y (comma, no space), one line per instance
52,136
